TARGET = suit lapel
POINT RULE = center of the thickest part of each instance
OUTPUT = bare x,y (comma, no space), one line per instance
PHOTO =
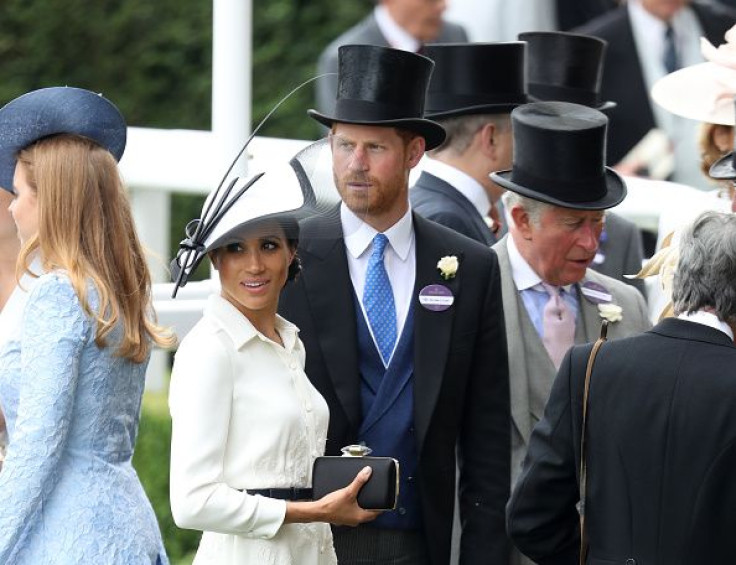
432,330
330,294
519,377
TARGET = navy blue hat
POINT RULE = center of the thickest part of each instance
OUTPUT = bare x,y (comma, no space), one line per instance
56,110
560,157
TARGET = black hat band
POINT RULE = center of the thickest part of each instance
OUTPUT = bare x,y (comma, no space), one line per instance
566,93
572,190
373,110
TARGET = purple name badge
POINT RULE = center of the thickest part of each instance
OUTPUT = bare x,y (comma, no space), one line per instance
436,297
595,293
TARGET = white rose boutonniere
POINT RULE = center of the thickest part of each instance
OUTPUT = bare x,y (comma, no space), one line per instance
611,312
448,266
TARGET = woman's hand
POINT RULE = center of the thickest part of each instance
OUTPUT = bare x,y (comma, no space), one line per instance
339,507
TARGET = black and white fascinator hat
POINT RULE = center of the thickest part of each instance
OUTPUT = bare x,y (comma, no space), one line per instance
284,192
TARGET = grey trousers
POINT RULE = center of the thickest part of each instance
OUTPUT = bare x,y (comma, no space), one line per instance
366,545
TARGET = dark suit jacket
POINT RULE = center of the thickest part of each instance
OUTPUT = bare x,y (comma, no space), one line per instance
661,451
622,251
439,201
574,13
461,389
623,78
365,32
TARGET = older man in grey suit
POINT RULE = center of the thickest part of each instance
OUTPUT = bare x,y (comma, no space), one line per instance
558,189
567,67
402,24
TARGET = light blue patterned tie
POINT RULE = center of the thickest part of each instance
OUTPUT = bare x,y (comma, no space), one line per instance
378,300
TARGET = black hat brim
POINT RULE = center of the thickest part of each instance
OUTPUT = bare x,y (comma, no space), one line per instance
432,132
608,105
474,110
56,110
723,168
615,192
602,107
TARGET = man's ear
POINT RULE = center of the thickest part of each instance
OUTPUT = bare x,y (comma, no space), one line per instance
488,139
415,151
522,221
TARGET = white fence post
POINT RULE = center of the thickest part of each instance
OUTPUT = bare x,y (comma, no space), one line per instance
152,214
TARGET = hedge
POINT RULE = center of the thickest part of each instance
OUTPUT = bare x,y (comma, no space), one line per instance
151,461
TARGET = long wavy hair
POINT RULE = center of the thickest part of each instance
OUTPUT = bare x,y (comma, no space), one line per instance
86,228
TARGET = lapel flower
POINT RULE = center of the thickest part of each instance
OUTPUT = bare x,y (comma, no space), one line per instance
611,312
448,266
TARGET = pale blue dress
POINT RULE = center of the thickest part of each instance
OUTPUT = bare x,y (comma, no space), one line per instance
68,492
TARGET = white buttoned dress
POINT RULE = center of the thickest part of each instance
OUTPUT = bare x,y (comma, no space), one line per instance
245,416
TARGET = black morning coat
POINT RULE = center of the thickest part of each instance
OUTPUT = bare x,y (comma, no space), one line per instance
661,453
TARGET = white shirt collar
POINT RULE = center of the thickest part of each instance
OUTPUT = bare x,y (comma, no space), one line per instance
239,328
462,182
641,19
521,271
396,35
707,319
359,235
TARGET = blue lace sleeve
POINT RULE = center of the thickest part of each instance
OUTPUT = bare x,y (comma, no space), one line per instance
54,331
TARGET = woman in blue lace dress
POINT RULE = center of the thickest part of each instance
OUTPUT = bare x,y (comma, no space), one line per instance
72,370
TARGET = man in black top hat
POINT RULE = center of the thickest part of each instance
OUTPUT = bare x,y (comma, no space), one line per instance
558,190
568,67
402,323
473,89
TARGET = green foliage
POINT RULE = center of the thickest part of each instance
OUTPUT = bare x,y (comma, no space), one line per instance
288,37
153,59
151,461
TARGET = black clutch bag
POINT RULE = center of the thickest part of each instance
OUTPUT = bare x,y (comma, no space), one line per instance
331,473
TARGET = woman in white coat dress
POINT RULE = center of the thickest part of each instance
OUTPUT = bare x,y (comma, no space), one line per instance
247,423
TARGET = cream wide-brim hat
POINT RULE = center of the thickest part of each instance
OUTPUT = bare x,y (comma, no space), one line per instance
702,92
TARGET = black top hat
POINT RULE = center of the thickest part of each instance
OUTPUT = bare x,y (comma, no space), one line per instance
56,110
560,156
566,67
384,87
476,78
725,167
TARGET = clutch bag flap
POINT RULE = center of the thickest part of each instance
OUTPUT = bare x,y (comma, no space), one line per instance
381,492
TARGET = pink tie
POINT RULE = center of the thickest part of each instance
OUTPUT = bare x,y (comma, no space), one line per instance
558,326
